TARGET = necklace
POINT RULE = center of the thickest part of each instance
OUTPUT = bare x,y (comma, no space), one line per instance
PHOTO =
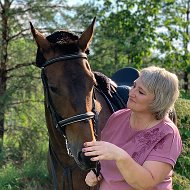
147,125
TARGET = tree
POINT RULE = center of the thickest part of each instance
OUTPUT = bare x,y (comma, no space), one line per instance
126,32
18,78
140,33
173,41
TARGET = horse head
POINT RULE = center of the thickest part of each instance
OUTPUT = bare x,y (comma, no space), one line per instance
68,84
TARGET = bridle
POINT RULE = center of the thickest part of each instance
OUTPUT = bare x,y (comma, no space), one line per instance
59,122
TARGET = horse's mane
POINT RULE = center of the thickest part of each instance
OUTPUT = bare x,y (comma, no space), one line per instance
104,83
63,40
115,96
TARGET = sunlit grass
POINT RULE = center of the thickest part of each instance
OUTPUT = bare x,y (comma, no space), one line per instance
30,175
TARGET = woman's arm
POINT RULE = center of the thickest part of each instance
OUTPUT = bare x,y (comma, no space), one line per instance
139,177
142,177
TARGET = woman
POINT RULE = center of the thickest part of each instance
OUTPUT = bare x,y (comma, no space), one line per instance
140,144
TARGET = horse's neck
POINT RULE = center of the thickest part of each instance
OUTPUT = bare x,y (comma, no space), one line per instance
103,110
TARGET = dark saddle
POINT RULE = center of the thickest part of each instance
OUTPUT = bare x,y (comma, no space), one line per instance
115,90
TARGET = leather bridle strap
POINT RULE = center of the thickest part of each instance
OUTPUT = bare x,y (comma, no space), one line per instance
53,172
65,57
76,118
67,171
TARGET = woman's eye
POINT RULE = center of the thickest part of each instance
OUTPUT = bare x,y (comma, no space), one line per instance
140,92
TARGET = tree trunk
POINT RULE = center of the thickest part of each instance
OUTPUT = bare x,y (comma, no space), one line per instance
186,81
3,60
2,104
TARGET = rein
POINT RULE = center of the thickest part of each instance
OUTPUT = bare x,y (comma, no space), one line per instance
61,123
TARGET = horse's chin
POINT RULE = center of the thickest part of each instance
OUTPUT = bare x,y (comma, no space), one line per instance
85,163
85,166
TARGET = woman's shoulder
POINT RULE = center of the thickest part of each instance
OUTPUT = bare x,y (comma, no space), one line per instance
169,126
165,129
117,118
123,112
168,144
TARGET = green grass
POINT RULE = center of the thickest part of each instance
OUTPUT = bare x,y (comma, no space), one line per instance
10,177
28,175
180,182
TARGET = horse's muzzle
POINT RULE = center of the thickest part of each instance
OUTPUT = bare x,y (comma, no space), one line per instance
85,161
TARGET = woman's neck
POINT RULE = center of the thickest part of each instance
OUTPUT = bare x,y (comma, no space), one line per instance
141,121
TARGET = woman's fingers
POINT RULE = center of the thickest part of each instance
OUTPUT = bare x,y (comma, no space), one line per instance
97,158
92,153
99,177
95,149
92,143
101,150
90,146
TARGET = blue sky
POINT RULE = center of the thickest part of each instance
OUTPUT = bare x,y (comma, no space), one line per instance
75,2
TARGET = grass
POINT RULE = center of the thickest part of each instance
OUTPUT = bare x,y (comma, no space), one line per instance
28,175
180,182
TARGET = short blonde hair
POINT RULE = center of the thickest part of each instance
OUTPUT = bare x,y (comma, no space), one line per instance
165,87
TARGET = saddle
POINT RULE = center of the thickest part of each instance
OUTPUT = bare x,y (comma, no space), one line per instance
115,90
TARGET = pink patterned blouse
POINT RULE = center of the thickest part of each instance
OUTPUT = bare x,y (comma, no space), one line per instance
160,143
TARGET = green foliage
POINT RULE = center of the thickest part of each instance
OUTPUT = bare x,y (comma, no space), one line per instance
181,177
33,170
125,35
182,109
30,175
24,156
180,182
173,36
9,176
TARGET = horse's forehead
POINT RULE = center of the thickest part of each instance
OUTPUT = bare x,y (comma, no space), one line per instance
65,70
62,36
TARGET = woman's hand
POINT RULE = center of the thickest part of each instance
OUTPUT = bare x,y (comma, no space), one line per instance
91,179
101,150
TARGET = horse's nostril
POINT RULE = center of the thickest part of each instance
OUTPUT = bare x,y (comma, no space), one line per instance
80,156
86,160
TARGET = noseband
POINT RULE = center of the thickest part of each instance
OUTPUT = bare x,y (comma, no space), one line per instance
59,121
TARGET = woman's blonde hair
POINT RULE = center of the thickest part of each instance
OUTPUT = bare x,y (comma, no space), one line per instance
164,85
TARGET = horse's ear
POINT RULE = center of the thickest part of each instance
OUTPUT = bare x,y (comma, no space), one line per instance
41,41
86,37
43,45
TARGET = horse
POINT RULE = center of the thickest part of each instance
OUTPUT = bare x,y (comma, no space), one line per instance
76,109
73,106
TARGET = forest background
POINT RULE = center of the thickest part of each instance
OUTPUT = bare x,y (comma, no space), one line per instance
134,33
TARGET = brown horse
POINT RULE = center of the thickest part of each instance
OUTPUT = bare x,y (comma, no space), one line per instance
72,104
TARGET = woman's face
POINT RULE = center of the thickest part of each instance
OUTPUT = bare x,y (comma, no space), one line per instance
139,97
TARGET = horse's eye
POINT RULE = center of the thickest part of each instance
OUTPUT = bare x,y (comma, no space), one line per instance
53,89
